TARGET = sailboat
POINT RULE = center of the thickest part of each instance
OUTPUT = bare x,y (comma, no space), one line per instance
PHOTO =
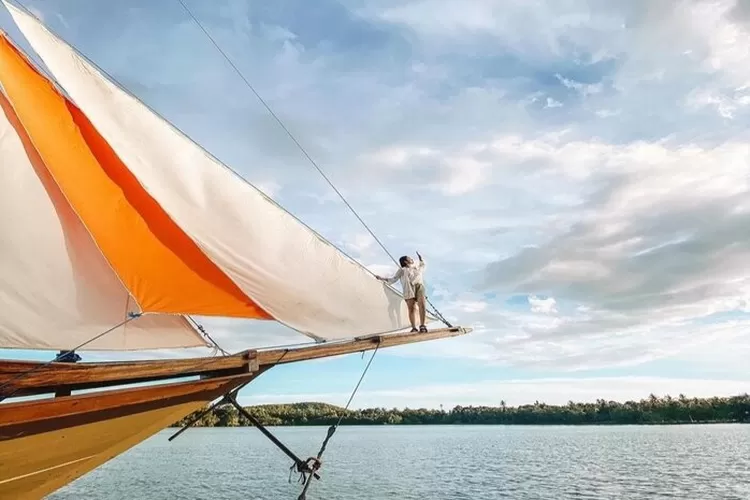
115,229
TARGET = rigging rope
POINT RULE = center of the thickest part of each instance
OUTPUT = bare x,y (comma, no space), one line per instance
304,467
316,462
307,469
63,354
203,331
224,399
299,146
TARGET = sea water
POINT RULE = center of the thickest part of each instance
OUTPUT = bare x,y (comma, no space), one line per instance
435,462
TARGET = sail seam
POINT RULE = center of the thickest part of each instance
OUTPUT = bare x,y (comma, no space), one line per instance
246,299
52,175
129,295
62,191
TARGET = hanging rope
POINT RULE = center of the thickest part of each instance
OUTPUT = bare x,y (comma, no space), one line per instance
316,462
300,147
62,355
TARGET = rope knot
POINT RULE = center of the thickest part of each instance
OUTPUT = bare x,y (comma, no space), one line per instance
305,469
312,465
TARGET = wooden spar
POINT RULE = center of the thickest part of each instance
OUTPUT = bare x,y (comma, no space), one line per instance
32,377
325,350
42,378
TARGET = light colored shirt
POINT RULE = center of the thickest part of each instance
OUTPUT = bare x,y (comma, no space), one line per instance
409,276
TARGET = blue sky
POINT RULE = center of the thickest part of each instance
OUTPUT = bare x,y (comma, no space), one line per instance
576,173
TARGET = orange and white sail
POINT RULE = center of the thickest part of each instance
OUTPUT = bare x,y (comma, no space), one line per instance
163,269
56,289
184,233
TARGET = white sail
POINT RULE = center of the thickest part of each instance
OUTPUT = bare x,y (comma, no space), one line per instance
56,289
283,266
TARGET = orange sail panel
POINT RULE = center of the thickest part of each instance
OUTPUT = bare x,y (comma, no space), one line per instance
56,289
157,262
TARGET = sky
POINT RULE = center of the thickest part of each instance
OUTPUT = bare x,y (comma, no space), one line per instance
577,174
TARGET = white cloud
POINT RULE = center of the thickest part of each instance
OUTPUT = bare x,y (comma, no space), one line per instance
544,29
726,104
443,16
471,306
727,41
465,175
607,113
657,201
394,156
585,89
655,250
360,242
543,306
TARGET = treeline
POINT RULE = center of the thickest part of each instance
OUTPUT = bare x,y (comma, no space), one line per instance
653,410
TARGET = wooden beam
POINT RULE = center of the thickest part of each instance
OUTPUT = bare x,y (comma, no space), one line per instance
23,418
23,378
32,377
325,350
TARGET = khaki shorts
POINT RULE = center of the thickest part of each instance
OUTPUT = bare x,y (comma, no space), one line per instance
419,292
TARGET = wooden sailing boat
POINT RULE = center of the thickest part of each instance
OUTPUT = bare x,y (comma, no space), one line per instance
114,228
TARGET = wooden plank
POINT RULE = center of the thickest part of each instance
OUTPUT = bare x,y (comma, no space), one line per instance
36,460
32,377
28,417
325,350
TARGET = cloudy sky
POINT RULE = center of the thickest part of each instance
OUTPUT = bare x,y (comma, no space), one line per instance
576,172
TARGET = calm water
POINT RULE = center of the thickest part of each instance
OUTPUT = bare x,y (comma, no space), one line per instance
436,463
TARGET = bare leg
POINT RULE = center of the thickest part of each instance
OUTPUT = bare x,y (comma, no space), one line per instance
422,310
421,299
412,305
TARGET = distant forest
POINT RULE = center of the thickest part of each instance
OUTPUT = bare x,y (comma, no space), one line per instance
653,410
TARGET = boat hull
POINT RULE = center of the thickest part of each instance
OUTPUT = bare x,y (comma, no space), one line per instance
46,444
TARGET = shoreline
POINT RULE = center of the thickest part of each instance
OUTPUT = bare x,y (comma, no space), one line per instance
591,424
651,411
